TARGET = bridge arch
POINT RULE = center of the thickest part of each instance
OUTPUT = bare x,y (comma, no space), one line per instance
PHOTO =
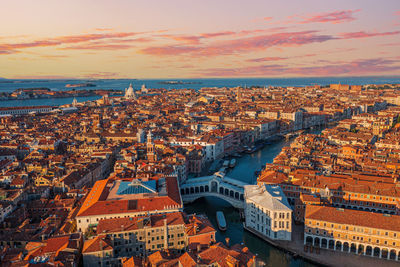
234,202
225,188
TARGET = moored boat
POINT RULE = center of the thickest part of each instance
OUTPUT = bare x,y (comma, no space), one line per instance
221,220
232,163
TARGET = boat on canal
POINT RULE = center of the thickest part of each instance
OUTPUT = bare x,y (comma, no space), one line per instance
232,163
221,220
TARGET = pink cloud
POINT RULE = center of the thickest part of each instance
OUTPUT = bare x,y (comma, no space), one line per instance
263,59
331,17
248,44
98,47
363,34
188,39
196,39
356,67
216,34
7,51
62,40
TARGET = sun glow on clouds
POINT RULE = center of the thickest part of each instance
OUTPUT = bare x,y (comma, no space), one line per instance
299,45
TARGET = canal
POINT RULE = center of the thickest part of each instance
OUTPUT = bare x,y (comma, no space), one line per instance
244,171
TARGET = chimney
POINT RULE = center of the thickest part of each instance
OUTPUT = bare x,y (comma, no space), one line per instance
227,241
198,247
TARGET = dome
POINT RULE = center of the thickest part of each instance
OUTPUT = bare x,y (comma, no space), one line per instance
130,93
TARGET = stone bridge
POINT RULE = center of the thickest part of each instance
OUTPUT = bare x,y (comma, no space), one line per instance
217,185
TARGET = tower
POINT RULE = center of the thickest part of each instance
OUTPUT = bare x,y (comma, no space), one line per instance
151,153
106,100
74,102
239,94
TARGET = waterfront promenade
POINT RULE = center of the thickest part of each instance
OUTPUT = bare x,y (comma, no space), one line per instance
324,256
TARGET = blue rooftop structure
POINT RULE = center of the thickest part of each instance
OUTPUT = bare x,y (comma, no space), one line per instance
136,187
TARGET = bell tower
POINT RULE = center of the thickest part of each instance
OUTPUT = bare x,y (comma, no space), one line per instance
151,153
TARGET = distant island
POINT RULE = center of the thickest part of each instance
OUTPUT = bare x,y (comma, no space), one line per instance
75,85
178,82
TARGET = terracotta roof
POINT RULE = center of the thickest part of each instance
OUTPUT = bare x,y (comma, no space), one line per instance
131,262
224,256
353,217
98,243
96,201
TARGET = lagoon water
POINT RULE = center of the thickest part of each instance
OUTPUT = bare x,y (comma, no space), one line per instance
121,84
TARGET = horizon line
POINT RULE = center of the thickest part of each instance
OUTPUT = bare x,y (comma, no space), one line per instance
204,78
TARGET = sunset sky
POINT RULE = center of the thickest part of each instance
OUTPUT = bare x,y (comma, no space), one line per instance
184,39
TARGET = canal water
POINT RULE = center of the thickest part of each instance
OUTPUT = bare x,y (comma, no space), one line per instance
244,171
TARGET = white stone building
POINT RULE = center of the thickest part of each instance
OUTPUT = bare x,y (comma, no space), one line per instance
130,93
267,211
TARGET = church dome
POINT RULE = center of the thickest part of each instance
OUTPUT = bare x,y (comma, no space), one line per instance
130,93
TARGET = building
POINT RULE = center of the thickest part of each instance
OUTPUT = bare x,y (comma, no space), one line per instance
5,210
142,236
353,231
62,250
25,110
124,198
268,212
99,251
130,93
356,191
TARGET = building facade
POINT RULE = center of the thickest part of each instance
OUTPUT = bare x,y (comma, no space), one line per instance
268,212
353,231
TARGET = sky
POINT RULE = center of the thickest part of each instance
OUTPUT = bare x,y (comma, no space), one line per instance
198,39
